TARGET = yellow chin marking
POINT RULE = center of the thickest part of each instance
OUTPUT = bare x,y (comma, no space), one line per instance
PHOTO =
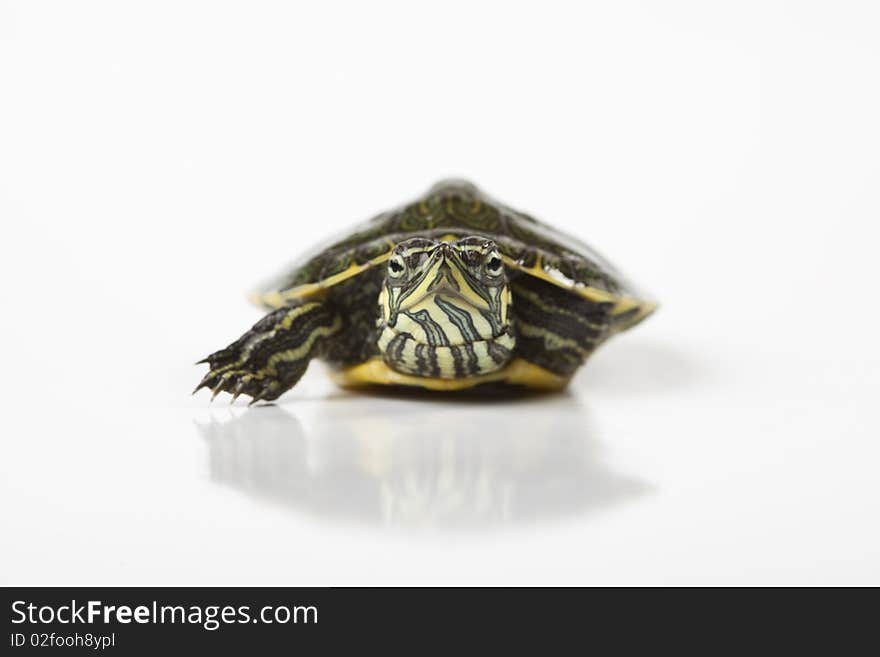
518,372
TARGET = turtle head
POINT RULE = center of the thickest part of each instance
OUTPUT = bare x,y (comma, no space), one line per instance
445,308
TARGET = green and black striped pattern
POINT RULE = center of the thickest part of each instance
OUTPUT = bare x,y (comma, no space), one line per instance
270,358
555,330
444,309
453,286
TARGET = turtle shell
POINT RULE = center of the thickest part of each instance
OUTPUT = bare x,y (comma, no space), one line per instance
450,210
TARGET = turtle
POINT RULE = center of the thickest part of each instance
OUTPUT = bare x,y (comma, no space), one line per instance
453,291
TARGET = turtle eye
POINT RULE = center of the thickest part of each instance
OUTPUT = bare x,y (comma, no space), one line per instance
494,264
396,266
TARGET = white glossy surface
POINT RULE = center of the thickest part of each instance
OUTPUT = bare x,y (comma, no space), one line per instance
156,162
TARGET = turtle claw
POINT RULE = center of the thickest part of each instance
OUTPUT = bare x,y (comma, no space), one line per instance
204,382
256,396
217,389
236,383
258,364
236,393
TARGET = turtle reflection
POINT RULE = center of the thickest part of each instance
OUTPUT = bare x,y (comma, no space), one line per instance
389,463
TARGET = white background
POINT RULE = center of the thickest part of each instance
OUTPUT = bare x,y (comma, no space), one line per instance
158,158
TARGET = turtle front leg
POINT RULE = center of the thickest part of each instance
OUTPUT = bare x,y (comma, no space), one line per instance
269,359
